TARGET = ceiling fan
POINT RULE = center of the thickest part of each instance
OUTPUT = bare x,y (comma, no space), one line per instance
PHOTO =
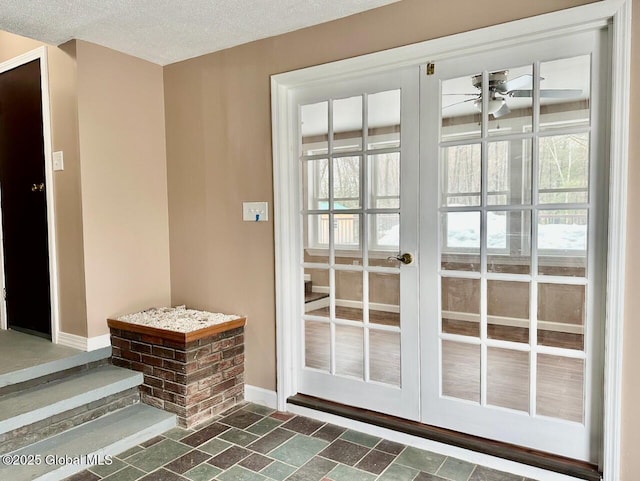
501,88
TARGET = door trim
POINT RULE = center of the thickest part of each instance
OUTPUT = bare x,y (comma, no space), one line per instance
39,53
616,14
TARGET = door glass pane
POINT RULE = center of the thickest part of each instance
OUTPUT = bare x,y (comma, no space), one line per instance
461,306
384,357
508,378
316,238
349,351
317,345
560,389
346,183
564,169
384,171
314,120
509,172
461,241
384,298
562,242
347,124
384,235
461,108
461,370
509,241
383,120
565,92
315,184
561,315
460,175
346,238
508,311
316,292
349,295
510,100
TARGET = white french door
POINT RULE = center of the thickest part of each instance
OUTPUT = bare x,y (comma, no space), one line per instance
358,175
490,171
513,240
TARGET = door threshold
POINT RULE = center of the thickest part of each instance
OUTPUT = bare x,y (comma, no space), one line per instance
531,457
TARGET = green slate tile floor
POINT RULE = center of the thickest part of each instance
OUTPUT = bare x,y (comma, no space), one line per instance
253,443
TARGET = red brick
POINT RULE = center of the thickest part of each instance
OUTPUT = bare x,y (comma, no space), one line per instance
198,397
174,408
199,417
163,352
151,401
152,360
153,381
210,381
238,359
164,374
119,342
141,367
234,391
211,402
223,386
140,347
175,387
232,373
119,362
131,356
164,395
174,365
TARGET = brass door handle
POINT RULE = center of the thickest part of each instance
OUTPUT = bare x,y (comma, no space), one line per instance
405,258
37,187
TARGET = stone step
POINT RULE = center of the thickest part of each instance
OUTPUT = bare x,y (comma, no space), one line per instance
43,401
72,451
33,372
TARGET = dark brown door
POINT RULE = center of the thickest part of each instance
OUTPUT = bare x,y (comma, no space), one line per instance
24,205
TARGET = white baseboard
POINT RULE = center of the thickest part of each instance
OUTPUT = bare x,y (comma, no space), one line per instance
98,342
426,444
83,343
262,396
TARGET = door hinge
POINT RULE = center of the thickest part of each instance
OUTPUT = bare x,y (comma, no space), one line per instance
431,68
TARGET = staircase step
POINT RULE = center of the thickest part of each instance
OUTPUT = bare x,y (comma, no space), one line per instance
43,401
73,358
73,449
314,296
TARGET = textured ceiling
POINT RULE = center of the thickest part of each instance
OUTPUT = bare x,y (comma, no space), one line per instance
167,31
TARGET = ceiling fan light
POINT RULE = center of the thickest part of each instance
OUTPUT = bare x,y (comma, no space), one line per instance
493,105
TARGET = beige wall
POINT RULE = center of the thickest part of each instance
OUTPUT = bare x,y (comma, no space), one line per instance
219,150
68,210
124,184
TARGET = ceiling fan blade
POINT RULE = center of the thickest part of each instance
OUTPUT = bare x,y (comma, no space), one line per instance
518,83
549,93
561,93
459,103
504,110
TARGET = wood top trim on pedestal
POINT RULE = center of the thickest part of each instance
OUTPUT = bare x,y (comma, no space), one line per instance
174,335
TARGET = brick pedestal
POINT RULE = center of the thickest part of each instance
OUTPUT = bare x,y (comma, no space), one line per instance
195,375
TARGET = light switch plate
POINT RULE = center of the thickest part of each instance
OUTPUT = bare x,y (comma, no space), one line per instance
58,160
255,211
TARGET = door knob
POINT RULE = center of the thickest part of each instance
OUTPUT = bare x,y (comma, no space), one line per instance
405,258
37,187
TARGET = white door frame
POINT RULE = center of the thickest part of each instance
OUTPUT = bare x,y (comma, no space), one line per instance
616,14
39,53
